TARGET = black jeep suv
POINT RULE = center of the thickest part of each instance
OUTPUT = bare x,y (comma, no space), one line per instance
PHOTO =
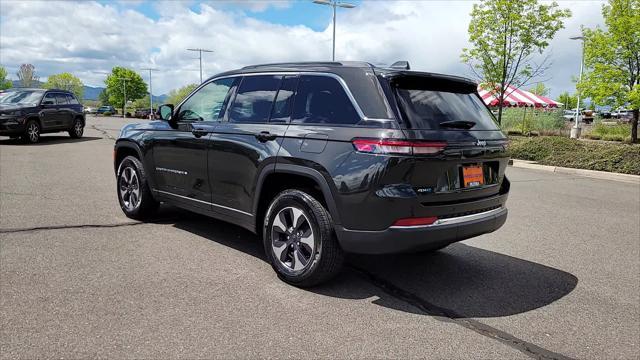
324,158
27,113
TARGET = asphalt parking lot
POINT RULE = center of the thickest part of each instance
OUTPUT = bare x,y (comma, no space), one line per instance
78,279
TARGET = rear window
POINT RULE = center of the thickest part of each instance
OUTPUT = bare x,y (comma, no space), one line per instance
430,107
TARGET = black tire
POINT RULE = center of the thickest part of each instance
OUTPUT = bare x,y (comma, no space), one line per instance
32,132
325,258
77,129
144,205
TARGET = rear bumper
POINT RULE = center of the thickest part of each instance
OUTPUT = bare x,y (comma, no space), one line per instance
420,238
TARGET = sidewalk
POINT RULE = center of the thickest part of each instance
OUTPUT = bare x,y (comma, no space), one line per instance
633,179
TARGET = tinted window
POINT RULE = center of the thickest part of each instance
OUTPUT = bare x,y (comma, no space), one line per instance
206,103
61,98
322,100
426,106
282,106
49,98
71,99
254,99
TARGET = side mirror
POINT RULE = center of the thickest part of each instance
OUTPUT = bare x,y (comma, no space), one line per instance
47,102
166,112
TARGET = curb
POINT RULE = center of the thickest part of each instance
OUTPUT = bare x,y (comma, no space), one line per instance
604,175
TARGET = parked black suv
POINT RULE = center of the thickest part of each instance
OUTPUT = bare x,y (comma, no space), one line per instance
27,113
324,158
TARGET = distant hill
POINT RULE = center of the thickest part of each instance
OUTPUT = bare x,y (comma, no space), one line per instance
91,92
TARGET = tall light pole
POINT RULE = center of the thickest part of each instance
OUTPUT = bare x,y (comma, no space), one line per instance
334,4
150,92
124,89
200,51
575,131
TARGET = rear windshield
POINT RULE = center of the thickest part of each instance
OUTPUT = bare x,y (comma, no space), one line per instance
436,107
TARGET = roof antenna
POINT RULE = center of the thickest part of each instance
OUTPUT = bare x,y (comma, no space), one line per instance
404,65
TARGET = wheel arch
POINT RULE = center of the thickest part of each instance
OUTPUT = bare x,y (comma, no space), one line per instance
124,148
273,180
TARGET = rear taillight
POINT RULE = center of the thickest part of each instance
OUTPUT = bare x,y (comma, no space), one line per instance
388,146
415,221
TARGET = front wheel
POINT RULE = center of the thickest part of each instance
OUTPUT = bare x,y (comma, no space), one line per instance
300,241
134,193
32,132
77,130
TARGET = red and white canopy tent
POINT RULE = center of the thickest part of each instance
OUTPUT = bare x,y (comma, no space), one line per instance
517,97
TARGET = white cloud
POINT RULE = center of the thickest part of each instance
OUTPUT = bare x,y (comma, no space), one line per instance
89,37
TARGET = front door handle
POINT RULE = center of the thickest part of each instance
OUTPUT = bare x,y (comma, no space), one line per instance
265,136
199,132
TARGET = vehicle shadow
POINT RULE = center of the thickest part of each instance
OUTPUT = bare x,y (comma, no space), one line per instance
460,281
48,140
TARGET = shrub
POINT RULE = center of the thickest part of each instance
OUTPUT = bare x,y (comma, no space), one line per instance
565,152
107,113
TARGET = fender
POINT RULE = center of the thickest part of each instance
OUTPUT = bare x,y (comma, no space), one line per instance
130,144
302,171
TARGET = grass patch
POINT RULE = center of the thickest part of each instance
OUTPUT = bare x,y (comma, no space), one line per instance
610,132
565,152
533,121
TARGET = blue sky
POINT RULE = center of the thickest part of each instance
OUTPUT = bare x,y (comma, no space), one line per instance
88,38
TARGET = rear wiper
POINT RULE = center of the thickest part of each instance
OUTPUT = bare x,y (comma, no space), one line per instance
458,124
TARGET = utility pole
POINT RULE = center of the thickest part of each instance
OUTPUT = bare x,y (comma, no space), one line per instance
575,131
334,4
124,88
200,51
150,92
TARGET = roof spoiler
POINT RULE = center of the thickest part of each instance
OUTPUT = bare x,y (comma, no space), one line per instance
401,65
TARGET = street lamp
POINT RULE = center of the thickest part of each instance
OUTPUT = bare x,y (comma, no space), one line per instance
575,131
124,88
150,91
334,4
200,51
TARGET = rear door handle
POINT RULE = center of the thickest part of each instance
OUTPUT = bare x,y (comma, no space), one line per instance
265,136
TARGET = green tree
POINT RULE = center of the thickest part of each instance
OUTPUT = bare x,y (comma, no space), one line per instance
568,101
505,35
612,59
142,103
120,80
103,97
4,82
176,95
540,89
65,81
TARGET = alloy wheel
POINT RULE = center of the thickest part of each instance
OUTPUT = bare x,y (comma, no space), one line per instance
292,239
78,128
129,188
33,132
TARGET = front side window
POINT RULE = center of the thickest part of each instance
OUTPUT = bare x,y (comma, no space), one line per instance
254,99
322,100
61,99
49,99
206,103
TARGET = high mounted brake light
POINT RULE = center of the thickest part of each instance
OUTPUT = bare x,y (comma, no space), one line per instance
386,146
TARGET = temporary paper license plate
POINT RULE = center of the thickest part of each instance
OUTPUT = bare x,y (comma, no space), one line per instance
472,176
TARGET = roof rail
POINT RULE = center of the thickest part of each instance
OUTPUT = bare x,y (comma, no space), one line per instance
288,64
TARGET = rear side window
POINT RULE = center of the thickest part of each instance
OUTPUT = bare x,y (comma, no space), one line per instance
432,108
254,99
322,100
71,99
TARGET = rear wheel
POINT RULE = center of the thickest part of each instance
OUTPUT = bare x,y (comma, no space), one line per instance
77,130
32,132
300,241
134,193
